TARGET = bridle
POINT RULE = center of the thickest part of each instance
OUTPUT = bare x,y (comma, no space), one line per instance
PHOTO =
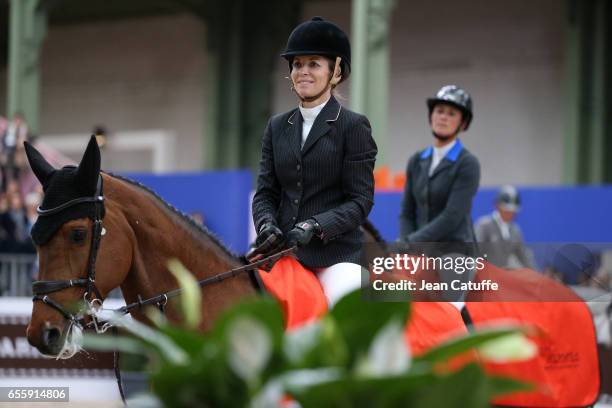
92,295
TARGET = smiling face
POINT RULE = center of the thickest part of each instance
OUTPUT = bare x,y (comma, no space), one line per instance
310,75
446,120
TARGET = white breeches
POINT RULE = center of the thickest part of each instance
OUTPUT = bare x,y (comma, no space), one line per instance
338,280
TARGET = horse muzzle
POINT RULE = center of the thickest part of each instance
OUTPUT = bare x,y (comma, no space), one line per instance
49,340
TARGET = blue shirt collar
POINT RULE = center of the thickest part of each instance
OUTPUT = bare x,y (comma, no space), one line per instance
452,154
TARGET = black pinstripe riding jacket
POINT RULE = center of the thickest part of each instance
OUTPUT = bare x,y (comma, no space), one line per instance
329,179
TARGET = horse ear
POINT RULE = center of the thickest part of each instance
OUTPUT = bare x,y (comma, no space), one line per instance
89,167
41,167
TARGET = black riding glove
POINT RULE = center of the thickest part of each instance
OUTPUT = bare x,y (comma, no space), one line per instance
303,232
269,241
266,231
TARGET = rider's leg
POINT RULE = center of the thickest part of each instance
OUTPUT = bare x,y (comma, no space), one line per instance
338,280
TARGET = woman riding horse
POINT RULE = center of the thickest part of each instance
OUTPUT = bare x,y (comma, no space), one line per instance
316,184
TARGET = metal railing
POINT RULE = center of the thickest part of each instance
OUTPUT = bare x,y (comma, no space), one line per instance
16,274
17,271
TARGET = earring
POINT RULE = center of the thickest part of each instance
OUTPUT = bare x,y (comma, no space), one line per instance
291,88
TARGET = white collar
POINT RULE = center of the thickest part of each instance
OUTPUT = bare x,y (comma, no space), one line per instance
310,114
442,151
497,217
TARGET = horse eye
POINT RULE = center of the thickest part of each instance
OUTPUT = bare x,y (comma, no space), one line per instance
78,235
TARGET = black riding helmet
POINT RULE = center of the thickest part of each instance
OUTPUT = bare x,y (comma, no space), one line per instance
455,96
320,37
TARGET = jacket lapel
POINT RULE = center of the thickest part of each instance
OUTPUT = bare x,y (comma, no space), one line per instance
294,133
425,162
444,163
450,158
329,113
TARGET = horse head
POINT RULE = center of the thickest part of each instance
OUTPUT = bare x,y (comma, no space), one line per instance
75,229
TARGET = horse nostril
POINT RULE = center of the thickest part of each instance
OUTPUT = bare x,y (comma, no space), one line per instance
51,337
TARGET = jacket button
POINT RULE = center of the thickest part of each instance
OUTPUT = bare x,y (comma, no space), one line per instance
296,201
299,184
298,167
293,219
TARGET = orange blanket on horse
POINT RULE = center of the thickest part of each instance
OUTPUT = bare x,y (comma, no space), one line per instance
301,297
566,369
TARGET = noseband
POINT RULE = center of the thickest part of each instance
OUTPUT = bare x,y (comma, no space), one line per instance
41,289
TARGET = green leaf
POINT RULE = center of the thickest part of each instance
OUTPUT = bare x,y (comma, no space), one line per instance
189,341
359,321
499,385
112,343
465,343
348,391
468,387
205,382
191,297
316,344
166,349
273,392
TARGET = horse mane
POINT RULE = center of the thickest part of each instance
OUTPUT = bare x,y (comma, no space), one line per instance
372,230
194,227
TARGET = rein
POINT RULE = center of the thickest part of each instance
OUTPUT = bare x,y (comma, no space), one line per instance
162,299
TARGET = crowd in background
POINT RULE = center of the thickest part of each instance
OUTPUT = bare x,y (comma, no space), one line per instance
19,197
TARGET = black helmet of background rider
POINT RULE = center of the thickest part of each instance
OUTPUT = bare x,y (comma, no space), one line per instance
454,96
320,37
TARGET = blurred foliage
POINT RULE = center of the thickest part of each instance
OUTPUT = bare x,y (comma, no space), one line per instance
355,356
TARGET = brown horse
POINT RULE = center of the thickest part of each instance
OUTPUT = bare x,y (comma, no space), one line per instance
136,233
139,233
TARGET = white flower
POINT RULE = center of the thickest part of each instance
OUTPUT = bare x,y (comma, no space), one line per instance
388,354
250,347
513,347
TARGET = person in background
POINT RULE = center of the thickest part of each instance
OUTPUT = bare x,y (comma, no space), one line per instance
316,182
12,157
18,215
441,180
7,227
500,237
101,134
3,128
32,201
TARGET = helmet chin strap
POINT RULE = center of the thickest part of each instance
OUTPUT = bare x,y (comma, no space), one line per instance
442,138
333,81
